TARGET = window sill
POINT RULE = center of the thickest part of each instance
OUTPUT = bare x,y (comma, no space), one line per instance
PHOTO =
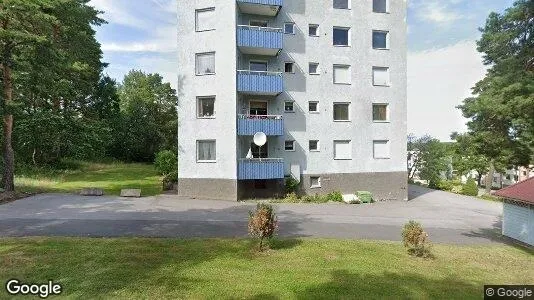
314,35
381,49
382,85
206,161
314,112
387,121
205,30
289,112
342,121
314,74
342,158
315,150
206,118
290,150
315,187
206,74
342,46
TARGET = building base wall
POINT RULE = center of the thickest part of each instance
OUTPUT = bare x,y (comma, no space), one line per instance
208,188
384,186
248,189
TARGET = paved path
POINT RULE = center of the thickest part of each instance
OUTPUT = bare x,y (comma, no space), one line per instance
447,217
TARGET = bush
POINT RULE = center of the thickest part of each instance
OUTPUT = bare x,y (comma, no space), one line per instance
365,197
470,188
262,223
314,199
291,185
166,162
334,196
416,239
169,180
445,185
291,198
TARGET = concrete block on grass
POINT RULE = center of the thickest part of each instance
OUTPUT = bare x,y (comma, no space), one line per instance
92,192
131,193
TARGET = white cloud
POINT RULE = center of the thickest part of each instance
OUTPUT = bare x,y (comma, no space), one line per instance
438,81
163,39
116,12
436,12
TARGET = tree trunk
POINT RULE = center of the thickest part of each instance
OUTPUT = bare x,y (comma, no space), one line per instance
489,178
479,180
9,156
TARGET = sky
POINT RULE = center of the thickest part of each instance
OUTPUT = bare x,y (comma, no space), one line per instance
443,63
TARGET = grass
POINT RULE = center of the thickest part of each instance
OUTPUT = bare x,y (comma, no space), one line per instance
112,177
229,268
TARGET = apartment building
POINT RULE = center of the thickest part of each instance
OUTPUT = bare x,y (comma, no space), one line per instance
324,80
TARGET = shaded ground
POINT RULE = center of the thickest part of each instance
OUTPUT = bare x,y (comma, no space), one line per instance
448,218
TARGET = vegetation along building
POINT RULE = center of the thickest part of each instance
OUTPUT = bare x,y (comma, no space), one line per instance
325,81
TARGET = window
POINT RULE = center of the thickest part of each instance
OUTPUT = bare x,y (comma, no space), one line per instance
314,146
315,182
258,108
380,112
206,151
313,106
342,150
381,149
258,23
341,112
342,74
290,145
341,36
206,107
341,4
289,28
314,68
289,67
259,152
289,106
381,76
260,66
380,39
313,30
380,6
205,63
205,19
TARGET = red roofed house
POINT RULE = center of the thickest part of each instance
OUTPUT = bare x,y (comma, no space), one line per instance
518,211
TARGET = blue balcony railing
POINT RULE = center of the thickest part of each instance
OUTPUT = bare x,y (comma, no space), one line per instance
268,8
250,125
260,40
264,168
262,83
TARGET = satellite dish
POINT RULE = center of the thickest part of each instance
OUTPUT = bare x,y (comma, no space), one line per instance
260,139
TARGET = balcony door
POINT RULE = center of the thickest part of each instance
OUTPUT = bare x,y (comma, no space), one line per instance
258,108
259,152
258,23
258,65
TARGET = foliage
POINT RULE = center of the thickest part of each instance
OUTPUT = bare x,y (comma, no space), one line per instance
291,198
470,188
291,185
314,199
169,180
429,157
445,185
364,196
262,223
166,162
416,239
335,196
467,155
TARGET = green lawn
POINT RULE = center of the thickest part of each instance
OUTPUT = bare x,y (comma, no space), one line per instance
112,177
222,269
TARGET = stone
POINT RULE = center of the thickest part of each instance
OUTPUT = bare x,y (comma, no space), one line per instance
92,192
132,193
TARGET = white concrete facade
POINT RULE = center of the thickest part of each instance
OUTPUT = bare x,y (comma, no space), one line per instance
300,88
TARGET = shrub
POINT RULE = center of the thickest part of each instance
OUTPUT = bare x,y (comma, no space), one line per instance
169,180
470,188
291,198
445,185
262,222
365,197
416,239
291,185
166,162
314,199
335,196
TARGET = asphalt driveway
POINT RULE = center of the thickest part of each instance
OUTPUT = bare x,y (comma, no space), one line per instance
447,217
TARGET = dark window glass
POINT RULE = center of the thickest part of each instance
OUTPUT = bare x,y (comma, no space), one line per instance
341,4
380,6
380,39
341,37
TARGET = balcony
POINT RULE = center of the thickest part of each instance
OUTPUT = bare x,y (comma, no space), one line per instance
256,40
261,168
268,8
260,83
250,125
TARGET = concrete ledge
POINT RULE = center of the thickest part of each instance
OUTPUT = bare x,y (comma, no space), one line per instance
132,193
208,188
92,192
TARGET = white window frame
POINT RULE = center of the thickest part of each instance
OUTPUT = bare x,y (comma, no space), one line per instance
318,146
316,26
387,113
292,68
197,146
387,39
388,73
292,105
349,31
388,143
292,31
348,67
313,111
316,186
334,112
293,143
349,142
199,106
349,5
214,63
317,71
256,100
196,18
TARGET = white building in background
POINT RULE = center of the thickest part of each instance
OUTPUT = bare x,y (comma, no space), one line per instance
325,80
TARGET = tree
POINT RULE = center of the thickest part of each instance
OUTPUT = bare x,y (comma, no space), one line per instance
466,156
47,53
149,121
429,157
502,111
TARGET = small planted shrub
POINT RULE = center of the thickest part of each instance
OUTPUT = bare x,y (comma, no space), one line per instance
335,196
291,198
291,185
365,197
169,180
262,223
470,188
314,199
445,185
166,162
416,239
